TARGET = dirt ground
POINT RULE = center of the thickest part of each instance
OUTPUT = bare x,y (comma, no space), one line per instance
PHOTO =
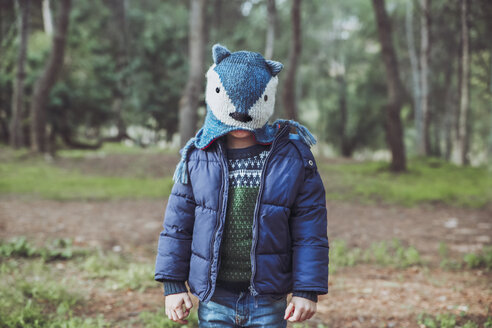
360,296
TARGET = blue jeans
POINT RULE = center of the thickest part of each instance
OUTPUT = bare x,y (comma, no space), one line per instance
227,309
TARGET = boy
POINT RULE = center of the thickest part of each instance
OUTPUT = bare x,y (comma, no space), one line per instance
245,223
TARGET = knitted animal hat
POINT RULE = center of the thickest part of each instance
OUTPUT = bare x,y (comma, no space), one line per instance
240,95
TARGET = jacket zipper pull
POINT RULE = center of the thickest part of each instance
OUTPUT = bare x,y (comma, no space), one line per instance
252,291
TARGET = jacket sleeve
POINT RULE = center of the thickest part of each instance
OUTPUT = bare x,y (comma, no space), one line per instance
308,227
174,246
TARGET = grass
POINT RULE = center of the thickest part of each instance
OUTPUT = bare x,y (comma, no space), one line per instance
481,260
159,319
46,291
46,181
427,181
27,175
58,249
32,294
119,272
381,253
448,320
447,263
393,253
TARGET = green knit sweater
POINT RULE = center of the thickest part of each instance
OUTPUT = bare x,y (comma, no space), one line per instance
245,165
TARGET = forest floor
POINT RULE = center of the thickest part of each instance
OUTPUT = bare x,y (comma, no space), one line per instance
365,294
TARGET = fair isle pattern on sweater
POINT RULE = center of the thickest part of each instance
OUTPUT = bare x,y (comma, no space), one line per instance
245,167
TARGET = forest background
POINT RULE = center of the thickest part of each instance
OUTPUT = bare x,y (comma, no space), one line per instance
97,97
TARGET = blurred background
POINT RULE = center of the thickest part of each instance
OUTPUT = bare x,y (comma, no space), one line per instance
97,97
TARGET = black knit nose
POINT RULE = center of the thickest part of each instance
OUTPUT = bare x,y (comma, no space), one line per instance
241,117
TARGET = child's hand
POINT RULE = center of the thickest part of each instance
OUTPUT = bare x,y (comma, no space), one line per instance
302,308
174,307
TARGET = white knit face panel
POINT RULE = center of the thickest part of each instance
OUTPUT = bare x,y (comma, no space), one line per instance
221,105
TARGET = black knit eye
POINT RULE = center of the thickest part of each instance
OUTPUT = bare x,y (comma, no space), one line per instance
265,98
217,90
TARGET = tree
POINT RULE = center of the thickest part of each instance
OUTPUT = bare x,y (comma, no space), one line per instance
47,79
424,146
393,125
196,42
414,65
47,21
16,135
460,155
270,37
289,92
119,38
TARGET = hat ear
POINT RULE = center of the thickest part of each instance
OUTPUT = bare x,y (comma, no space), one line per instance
219,52
274,66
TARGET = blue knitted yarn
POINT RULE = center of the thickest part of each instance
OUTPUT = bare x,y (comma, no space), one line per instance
240,95
181,171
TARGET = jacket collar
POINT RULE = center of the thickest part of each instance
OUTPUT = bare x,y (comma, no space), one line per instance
281,134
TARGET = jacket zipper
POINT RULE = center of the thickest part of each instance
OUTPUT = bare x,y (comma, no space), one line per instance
255,217
225,179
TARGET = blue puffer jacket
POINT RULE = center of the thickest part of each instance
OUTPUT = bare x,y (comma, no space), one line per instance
290,243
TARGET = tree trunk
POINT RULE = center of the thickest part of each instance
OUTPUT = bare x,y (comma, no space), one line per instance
47,79
424,147
416,91
447,111
119,34
489,151
394,128
270,37
47,20
460,155
16,135
289,92
342,107
188,104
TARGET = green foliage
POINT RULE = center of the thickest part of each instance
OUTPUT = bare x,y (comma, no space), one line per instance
481,260
394,254
342,256
17,247
37,293
46,181
381,253
76,322
159,319
118,272
427,181
158,66
100,265
439,321
137,276
446,262
58,249
32,295
447,320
